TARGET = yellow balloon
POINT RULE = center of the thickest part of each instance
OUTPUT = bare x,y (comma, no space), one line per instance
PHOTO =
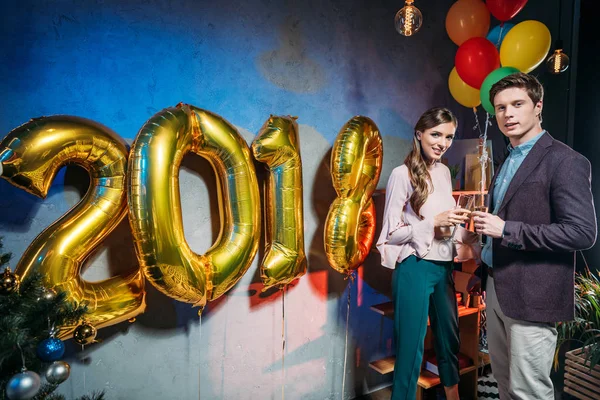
155,207
464,94
525,46
355,169
278,147
31,155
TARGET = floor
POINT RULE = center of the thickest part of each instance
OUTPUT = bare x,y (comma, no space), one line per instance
487,389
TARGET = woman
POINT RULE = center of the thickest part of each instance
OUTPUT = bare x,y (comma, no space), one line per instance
419,213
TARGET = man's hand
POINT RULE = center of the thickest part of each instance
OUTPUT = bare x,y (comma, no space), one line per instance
488,224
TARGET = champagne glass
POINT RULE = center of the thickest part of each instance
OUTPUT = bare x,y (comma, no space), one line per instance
480,203
464,201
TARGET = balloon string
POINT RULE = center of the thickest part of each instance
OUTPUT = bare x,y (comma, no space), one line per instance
200,355
500,36
477,126
22,357
346,342
484,157
283,343
84,385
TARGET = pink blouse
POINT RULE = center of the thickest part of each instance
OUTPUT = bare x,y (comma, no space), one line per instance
405,233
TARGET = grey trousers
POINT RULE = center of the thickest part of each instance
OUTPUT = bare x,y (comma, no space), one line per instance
521,353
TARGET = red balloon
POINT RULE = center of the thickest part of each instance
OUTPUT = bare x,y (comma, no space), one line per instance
504,10
475,59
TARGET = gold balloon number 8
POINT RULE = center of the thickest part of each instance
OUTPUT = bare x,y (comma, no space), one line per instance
355,169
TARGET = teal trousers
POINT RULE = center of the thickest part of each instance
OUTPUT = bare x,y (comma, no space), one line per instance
423,288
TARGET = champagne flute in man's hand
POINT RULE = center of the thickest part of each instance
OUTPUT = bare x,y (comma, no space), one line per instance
480,203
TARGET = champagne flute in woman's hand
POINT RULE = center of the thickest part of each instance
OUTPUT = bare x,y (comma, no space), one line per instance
465,201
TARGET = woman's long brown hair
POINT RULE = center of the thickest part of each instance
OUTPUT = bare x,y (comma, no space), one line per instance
417,167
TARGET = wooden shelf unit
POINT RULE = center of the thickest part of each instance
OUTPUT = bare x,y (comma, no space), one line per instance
469,338
387,310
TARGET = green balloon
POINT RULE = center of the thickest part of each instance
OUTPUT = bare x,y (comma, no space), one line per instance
488,82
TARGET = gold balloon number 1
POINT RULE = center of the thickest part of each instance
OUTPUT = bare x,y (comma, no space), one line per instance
277,146
148,184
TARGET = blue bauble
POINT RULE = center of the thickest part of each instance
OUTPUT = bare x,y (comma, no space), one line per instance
51,349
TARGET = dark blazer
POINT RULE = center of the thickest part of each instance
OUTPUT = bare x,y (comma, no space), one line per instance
549,213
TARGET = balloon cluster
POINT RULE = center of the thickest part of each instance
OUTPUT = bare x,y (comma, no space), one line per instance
485,56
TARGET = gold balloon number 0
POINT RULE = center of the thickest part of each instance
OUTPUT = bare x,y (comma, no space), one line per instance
155,207
148,184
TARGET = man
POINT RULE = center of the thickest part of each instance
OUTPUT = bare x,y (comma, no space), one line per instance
542,211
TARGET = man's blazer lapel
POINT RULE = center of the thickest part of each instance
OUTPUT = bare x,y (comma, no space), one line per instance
532,160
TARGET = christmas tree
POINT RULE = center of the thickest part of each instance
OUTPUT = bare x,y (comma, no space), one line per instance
30,315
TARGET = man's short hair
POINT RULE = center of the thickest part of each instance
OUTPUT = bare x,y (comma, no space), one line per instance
529,83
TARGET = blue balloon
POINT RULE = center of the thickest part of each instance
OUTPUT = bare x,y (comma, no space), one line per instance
494,34
51,349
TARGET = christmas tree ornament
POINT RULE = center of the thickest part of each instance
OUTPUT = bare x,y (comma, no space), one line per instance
84,334
48,294
9,283
23,386
58,372
51,349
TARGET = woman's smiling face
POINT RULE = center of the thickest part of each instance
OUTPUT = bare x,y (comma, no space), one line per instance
436,141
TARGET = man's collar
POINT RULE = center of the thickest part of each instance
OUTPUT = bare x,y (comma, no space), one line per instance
527,145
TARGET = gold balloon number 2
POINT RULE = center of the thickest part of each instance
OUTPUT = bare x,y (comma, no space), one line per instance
31,155
148,185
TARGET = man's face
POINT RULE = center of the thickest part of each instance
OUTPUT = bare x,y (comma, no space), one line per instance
517,116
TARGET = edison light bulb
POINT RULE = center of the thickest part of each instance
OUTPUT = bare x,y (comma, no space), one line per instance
558,62
409,19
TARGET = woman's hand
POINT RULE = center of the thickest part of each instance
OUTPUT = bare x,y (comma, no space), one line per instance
451,217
